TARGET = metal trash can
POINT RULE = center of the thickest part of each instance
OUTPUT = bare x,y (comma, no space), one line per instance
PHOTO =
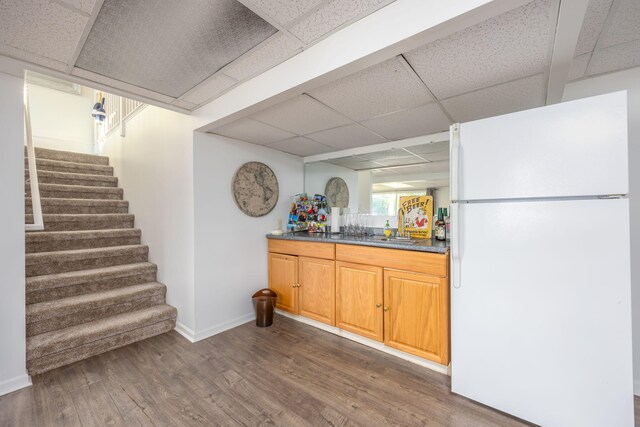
264,302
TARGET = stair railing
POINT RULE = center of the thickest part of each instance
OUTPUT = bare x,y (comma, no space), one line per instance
38,223
119,110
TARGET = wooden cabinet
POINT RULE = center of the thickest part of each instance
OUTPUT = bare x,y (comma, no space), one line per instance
283,278
316,290
416,314
359,299
393,296
305,285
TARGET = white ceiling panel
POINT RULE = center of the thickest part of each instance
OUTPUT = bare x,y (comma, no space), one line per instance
34,58
349,136
268,54
510,46
41,27
332,15
436,166
252,131
423,120
301,115
184,104
506,98
121,85
210,88
283,11
384,88
170,46
300,146
433,147
614,58
579,66
84,5
623,25
382,156
594,19
357,165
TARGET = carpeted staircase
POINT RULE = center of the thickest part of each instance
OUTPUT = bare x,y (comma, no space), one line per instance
90,287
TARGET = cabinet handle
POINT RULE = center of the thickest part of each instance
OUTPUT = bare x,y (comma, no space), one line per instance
378,305
295,286
386,309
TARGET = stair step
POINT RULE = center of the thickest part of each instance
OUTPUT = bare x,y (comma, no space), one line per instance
59,191
78,206
62,347
62,285
59,314
68,222
42,263
68,156
66,178
51,241
70,167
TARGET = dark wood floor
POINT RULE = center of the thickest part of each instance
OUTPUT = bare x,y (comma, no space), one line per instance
289,374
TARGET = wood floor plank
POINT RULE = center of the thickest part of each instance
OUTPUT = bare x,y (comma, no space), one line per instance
289,374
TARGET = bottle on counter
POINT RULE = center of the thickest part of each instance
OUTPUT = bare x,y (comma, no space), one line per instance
447,224
440,230
387,229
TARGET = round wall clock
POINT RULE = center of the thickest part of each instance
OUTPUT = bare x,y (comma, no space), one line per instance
337,192
255,189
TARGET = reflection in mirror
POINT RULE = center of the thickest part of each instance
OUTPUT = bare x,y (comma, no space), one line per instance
377,179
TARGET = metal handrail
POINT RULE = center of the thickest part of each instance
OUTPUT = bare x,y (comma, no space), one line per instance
38,223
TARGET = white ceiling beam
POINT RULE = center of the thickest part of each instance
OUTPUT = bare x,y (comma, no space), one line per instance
570,17
396,28
85,33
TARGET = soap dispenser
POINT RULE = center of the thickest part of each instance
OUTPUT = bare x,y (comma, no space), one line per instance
387,229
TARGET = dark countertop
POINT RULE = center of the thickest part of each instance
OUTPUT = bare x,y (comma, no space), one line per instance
421,245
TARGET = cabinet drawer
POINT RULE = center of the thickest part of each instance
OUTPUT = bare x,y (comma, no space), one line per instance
311,249
420,262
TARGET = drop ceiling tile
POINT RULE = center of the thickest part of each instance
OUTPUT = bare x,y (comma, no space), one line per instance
249,130
332,15
594,19
384,88
437,156
23,55
423,120
432,147
301,115
283,11
170,46
579,66
623,25
506,98
349,136
121,85
615,58
442,166
210,88
360,165
382,156
300,146
83,5
507,47
266,55
41,27
183,104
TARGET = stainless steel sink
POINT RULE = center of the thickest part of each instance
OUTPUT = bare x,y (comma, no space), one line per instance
394,240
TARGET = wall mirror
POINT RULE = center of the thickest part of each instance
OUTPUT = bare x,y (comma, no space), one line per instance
377,176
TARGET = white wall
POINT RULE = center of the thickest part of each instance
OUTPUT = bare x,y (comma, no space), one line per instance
13,374
316,176
61,120
629,80
230,247
154,164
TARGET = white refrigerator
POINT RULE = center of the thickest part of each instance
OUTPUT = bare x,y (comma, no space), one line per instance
540,266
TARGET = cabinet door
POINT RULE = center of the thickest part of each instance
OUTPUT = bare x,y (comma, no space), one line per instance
283,278
359,299
416,314
316,290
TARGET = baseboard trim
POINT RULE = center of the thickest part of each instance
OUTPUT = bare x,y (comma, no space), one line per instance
225,326
14,384
185,332
369,343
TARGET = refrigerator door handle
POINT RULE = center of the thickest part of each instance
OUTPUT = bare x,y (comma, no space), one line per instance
454,137
455,244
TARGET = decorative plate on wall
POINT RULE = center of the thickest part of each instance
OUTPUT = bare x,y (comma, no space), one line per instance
255,189
337,192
